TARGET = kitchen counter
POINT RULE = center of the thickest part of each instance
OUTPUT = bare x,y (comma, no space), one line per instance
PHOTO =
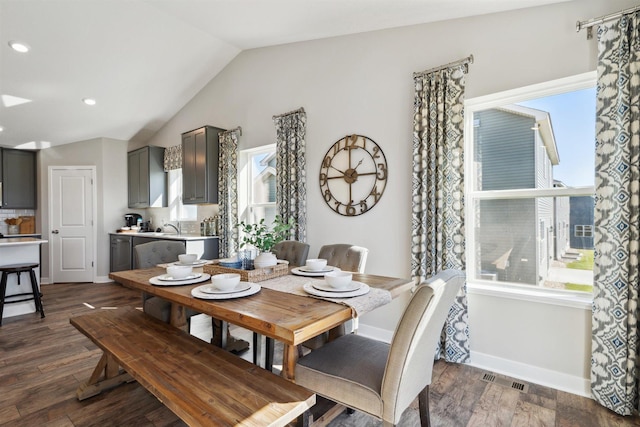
170,236
20,250
122,255
18,241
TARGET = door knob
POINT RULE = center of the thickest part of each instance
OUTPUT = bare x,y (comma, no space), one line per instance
54,231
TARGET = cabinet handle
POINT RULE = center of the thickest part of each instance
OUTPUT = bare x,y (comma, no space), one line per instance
55,231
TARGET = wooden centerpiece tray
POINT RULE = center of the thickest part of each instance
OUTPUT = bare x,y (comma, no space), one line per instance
255,275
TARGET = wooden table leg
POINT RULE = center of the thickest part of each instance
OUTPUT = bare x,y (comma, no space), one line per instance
289,359
178,317
107,374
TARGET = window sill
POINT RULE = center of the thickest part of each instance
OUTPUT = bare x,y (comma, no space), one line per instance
580,300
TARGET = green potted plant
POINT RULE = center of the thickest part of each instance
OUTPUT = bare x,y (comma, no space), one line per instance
263,238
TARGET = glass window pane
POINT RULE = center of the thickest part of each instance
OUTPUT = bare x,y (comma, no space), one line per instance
528,241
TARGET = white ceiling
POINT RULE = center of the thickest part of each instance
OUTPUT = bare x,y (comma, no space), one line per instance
143,60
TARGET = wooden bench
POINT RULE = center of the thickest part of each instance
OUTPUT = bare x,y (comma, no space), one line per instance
202,384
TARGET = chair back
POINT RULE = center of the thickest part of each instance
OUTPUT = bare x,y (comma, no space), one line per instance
412,351
294,252
150,254
344,256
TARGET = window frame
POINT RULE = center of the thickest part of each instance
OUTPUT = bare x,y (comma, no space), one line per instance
245,188
513,290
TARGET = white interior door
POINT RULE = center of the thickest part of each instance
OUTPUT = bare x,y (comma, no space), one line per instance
71,239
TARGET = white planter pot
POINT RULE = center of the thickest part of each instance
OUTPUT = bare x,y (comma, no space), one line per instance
265,259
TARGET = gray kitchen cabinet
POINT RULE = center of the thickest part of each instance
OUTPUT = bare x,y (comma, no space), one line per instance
121,255
147,180
200,165
18,178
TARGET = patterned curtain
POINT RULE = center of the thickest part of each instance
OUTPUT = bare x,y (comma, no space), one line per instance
173,158
228,191
614,361
438,187
291,180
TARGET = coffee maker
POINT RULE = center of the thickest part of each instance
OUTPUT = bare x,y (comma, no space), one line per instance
131,219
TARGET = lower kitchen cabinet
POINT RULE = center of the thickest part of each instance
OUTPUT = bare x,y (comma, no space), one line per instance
122,244
121,251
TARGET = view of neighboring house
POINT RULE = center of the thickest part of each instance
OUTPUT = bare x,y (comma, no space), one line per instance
516,149
581,220
562,229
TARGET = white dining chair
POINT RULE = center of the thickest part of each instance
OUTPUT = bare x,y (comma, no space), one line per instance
383,379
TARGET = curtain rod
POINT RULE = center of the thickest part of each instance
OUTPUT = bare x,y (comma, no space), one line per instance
588,24
299,110
464,61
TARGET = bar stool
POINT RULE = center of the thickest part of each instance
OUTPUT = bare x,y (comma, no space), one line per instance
34,294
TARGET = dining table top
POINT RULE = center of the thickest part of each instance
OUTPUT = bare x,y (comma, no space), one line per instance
288,318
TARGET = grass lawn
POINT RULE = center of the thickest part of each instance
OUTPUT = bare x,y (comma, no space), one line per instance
585,263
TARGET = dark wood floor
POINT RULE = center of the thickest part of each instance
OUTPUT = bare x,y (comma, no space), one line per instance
43,361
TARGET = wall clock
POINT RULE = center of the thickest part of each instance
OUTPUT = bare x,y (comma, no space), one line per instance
353,175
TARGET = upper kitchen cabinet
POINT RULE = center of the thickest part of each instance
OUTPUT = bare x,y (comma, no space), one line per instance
18,178
200,165
147,178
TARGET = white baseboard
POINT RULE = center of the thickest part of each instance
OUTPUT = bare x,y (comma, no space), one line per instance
44,281
534,374
522,371
102,279
372,332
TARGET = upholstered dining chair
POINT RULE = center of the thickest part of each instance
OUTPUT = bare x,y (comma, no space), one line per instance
344,256
294,252
149,255
383,379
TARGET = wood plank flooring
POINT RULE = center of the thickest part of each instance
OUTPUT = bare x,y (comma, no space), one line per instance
43,361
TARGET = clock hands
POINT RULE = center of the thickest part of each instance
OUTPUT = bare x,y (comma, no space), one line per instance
337,170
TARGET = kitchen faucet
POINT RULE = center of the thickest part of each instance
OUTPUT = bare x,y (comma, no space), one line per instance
174,227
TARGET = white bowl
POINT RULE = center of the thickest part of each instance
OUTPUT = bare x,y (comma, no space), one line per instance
338,279
179,271
225,282
316,264
187,258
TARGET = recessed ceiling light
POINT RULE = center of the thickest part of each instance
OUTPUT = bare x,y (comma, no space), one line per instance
1,128
12,101
89,101
18,46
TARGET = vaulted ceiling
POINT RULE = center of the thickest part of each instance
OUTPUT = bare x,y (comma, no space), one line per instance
143,60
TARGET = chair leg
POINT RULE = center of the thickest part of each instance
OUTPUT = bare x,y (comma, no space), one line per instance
423,404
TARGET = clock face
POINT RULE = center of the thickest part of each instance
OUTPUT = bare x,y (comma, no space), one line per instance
353,175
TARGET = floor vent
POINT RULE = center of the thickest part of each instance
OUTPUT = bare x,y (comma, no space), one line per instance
504,381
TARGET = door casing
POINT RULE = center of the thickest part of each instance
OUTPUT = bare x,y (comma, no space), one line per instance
53,204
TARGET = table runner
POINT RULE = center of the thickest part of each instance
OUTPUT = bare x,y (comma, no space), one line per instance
359,305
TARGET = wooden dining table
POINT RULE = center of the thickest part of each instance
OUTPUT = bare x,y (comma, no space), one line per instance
288,318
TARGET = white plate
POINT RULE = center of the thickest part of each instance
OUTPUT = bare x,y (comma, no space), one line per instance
302,271
209,289
158,282
168,278
324,286
308,287
197,292
197,263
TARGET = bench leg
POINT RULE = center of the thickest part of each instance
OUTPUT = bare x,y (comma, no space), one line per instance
106,375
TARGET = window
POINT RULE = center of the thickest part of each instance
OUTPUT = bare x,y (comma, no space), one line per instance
529,163
178,211
584,231
257,184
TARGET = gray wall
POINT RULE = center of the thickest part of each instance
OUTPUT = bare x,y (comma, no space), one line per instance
109,156
363,84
